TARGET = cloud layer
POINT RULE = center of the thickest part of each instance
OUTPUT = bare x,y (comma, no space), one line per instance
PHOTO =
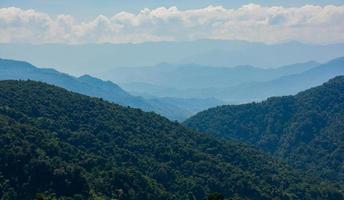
311,24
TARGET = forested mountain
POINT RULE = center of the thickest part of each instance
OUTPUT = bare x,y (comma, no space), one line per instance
174,109
55,143
305,130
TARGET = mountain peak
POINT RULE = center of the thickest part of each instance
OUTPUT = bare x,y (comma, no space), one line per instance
86,76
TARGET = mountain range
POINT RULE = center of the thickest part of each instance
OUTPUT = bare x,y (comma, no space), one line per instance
99,59
191,76
305,130
235,85
56,144
180,91
286,85
173,108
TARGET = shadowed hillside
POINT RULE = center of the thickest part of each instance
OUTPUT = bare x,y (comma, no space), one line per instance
61,144
305,130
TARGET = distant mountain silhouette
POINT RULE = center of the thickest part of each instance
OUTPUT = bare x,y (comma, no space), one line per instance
247,84
184,77
285,85
262,55
88,85
99,59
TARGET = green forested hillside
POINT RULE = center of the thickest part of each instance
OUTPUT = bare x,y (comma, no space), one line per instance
306,130
54,143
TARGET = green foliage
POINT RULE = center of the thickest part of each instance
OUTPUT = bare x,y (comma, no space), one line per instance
41,196
306,130
55,144
215,196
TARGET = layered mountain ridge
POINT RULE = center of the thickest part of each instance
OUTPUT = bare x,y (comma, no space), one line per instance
173,108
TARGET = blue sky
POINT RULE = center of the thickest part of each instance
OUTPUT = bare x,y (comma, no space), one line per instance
90,8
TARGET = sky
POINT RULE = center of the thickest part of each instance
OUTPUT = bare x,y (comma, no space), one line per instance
119,21
90,8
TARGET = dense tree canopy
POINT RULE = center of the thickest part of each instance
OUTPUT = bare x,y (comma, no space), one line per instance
305,130
59,144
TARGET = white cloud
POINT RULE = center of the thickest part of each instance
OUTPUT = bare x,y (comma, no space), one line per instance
313,24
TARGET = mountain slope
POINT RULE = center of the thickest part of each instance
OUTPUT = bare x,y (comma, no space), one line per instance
63,144
181,108
171,108
285,85
309,75
15,70
306,130
191,76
